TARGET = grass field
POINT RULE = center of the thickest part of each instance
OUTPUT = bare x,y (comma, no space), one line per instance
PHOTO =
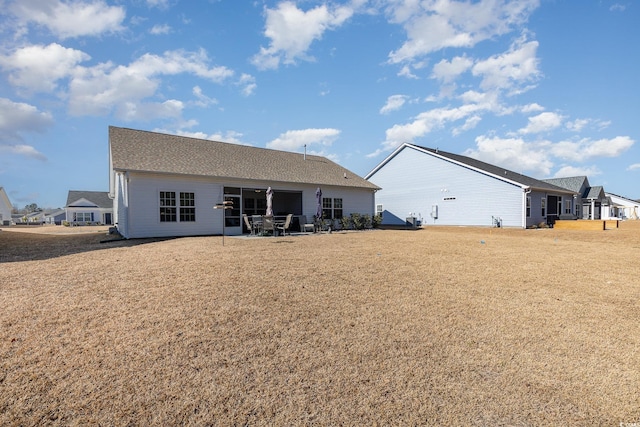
440,326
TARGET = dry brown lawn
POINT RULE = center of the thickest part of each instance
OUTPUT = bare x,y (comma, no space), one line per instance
440,326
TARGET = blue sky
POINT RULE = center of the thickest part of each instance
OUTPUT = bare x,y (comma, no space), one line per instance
548,88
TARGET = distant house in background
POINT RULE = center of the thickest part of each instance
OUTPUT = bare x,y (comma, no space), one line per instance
55,216
622,207
89,207
35,217
592,202
5,208
167,185
442,188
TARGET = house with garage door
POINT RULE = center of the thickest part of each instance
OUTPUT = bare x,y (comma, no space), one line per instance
168,185
441,188
89,208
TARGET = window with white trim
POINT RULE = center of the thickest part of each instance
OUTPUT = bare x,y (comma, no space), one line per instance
332,208
172,208
528,207
83,217
543,207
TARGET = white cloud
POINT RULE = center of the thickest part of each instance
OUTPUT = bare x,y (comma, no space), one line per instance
405,71
160,29
292,30
203,100
633,167
532,108
160,4
39,68
230,136
67,19
248,84
394,102
543,122
23,150
130,111
469,124
435,25
587,148
100,89
577,125
512,153
17,118
427,122
566,171
512,70
447,71
294,140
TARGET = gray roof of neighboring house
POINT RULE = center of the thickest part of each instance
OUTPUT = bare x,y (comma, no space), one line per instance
100,198
576,183
596,192
573,183
143,151
499,171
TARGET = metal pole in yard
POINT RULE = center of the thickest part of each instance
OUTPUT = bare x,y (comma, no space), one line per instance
227,204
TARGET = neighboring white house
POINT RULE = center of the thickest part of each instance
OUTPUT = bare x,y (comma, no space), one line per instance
89,207
442,188
622,207
167,185
5,208
55,216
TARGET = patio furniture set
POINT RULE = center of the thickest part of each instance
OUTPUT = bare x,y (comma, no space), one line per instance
260,225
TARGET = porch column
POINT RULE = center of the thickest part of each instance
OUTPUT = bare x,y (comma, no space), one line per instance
593,209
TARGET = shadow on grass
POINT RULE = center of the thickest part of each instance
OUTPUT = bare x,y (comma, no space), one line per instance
20,247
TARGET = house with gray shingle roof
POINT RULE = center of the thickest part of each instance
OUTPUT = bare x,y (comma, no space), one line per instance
592,202
89,207
167,185
441,188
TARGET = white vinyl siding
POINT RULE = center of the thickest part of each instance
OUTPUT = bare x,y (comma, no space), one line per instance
413,182
138,209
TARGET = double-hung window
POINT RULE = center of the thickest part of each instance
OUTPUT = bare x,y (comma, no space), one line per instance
187,207
173,208
332,208
83,216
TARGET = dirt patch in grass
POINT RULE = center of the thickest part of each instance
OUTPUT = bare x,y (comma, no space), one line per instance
440,326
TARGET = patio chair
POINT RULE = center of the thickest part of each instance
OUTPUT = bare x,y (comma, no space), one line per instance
247,223
306,226
256,222
268,224
285,226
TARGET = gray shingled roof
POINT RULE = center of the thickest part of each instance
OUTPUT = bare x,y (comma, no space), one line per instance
499,171
143,151
573,183
100,198
596,192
